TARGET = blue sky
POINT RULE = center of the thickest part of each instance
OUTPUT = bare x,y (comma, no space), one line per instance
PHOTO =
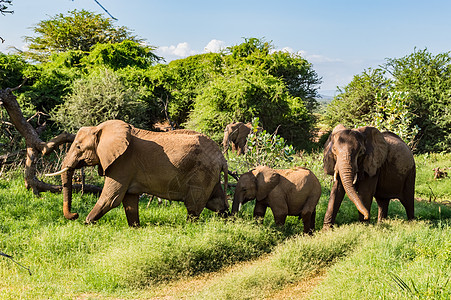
340,38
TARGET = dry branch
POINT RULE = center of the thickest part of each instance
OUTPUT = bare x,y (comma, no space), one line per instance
35,146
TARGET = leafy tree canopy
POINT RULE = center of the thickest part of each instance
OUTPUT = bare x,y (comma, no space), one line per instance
246,81
78,30
415,96
355,103
11,70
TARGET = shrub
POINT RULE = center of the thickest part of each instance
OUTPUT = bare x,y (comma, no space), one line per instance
264,149
100,97
392,114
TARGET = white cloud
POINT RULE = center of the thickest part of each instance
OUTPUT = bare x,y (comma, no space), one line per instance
313,58
180,51
215,46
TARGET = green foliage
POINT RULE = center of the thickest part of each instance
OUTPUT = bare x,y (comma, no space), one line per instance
156,254
427,79
264,149
291,261
11,76
356,103
414,254
100,97
426,187
78,30
247,82
185,79
416,97
70,260
121,55
392,114
11,70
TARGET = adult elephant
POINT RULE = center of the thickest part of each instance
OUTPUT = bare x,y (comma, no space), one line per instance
367,163
178,165
288,192
236,133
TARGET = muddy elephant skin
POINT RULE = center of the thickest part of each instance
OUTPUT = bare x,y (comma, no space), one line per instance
367,163
180,165
288,192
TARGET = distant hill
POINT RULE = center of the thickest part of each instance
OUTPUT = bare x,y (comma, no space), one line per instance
323,101
324,98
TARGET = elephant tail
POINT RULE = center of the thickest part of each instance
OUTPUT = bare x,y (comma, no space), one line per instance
225,169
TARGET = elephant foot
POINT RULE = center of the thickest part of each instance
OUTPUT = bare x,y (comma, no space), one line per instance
327,227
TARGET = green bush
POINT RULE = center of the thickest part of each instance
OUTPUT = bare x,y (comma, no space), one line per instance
264,149
392,114
154,254
100,97
415,96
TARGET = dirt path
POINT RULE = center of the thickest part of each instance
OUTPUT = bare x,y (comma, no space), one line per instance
301,289
189,287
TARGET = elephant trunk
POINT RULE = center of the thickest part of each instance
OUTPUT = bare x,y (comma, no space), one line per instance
347,176
66,179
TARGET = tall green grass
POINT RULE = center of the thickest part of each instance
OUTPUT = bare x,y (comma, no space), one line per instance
398,261
426,187
291,261
68,259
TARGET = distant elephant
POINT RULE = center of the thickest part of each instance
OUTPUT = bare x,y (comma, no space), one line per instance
179,165
367,163
288,192
236,133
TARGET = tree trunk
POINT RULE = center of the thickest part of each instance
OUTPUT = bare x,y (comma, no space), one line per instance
35,146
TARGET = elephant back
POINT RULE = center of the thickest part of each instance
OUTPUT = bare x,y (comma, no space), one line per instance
399,155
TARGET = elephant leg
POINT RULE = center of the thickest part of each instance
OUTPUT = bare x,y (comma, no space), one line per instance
280,219
260,210
113,193
279,207
195,201
312,220
382,204
336,197
308,219
408,198
130,203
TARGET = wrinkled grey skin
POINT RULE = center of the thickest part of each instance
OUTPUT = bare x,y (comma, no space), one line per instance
236,134
366,163
288,192
178,165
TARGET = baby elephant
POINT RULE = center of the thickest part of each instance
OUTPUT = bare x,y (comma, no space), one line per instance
289,192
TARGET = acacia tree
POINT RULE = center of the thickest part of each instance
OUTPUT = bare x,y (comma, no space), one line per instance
78,30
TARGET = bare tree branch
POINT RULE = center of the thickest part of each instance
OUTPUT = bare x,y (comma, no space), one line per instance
35,146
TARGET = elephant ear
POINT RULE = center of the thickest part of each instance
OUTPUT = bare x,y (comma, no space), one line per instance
376,149
113,138
328,155
267,179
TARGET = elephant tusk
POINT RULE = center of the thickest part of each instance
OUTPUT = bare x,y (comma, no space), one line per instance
239,207
335,175
57,173
355,179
